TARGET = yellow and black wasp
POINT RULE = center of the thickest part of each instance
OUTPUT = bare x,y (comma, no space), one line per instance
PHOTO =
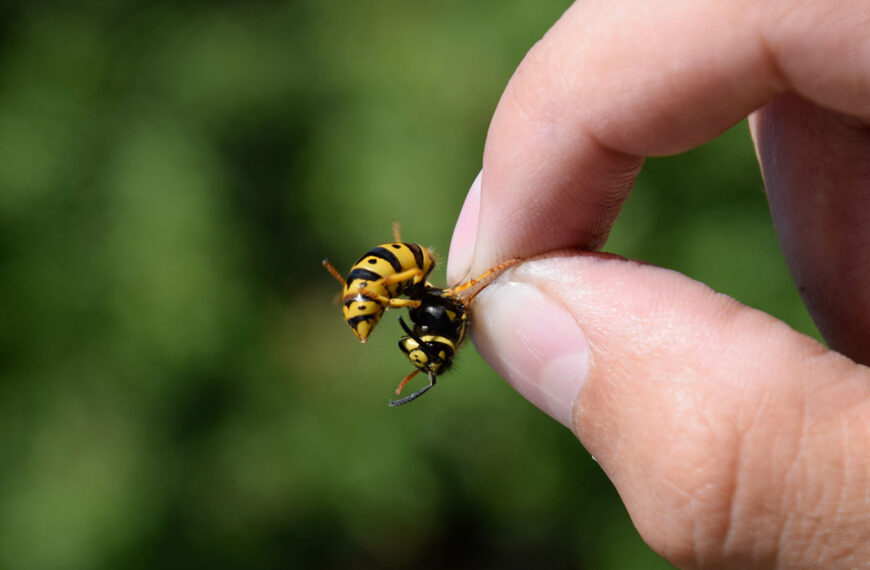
438,316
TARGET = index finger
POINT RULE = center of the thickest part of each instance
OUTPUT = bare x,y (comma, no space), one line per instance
611,83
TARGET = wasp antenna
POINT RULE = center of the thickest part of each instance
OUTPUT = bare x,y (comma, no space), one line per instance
415,395
405,328
411,334
334,271
397,231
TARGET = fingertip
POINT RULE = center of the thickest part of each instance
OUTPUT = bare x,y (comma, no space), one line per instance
535,344
461,253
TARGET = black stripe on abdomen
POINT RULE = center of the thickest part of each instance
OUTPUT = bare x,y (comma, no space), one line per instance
354,321
418,253
363,275
386,255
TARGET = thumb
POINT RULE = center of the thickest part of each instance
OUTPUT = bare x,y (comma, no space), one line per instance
731,438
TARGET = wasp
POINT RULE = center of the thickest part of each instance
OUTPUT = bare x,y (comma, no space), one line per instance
439,321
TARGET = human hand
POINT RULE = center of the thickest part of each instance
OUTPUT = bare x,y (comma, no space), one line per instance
732,439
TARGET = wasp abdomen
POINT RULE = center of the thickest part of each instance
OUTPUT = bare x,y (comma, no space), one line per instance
375,281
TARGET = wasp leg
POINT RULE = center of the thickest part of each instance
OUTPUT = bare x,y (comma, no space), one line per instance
334,272
415,395
407,275
404,381
472,282
394,303
397,230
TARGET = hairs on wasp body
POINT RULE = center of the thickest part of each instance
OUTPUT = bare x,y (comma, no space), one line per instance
438,316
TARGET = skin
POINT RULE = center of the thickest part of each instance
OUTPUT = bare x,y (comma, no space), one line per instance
733,440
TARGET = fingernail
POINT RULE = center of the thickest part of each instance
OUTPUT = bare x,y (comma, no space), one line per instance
534,343
461,251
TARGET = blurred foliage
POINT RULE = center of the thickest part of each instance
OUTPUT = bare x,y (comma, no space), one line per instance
178,389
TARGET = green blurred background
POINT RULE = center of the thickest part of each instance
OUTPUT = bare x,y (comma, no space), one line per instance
177,388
